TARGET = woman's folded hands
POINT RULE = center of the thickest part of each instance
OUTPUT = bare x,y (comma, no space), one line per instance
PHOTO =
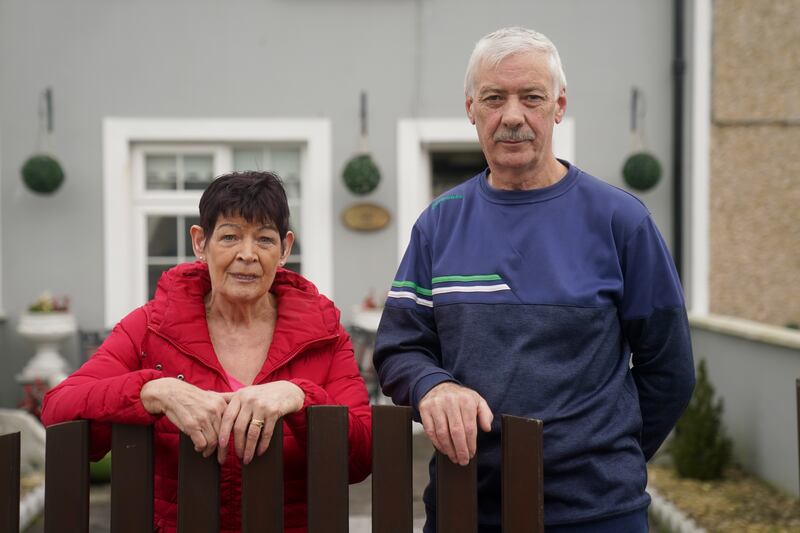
211,418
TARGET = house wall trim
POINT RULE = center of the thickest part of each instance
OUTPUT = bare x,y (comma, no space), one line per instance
701,157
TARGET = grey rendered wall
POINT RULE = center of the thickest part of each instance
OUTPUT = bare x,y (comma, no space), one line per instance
279,58
757,383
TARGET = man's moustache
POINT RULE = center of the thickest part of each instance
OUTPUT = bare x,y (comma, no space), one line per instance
513,136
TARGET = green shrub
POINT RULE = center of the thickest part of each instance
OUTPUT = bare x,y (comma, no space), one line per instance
700,448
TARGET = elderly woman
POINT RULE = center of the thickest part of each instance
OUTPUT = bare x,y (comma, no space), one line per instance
228,345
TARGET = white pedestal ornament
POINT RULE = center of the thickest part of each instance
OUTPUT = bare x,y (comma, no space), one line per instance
46,331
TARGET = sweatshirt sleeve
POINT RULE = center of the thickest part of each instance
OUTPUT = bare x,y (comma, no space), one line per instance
657,330
407,353
106,388
344,386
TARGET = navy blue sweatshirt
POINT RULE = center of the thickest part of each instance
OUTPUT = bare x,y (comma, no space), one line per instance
560,303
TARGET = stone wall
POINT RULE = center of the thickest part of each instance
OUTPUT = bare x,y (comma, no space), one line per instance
755,161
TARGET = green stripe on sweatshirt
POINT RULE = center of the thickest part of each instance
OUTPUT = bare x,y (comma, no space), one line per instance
477,277
420,290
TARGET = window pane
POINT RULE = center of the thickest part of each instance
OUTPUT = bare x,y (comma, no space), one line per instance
248,159
153,274
161,171
294,267
286,162
188,222
198,171
162,236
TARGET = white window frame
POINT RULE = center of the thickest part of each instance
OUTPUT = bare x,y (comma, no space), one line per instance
417,138
123,273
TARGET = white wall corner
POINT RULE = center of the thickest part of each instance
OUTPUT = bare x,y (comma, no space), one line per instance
701,165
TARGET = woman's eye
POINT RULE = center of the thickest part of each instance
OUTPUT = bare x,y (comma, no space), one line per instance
265,240
229,237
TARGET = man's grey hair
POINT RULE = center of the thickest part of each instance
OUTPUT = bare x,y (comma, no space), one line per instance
498,45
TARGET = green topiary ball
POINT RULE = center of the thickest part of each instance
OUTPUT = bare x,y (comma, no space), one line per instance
42,174
361,175
641,171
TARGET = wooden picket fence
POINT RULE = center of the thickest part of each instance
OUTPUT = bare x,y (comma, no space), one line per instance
67,479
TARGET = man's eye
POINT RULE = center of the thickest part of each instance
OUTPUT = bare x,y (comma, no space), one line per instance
534,97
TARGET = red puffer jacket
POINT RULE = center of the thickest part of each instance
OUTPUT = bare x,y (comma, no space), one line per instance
168,337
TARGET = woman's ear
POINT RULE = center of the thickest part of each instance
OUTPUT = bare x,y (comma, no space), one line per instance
198,242
286,247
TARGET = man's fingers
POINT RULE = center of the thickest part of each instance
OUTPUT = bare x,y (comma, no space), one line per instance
458,423
442,429
470,429
485,415
430,428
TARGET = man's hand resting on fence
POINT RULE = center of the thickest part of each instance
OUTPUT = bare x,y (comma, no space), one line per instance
450,416
196,412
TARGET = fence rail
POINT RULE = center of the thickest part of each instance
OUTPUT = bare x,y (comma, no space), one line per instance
67,479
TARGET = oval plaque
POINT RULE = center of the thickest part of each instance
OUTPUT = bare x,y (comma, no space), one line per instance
365,217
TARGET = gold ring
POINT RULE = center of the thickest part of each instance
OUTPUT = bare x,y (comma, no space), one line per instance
257,422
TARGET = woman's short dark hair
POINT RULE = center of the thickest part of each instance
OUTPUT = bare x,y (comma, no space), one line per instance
256,196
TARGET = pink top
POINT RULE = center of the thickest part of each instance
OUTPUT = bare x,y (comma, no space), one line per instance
235,383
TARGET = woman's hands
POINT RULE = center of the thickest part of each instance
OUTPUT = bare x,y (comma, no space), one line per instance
195,411
209,417
250,405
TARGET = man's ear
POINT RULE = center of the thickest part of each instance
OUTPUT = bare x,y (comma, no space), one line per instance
468,105
198,242
561,105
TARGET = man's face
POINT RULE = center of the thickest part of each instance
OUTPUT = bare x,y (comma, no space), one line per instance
514,108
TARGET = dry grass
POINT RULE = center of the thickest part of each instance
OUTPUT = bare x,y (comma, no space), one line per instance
737,503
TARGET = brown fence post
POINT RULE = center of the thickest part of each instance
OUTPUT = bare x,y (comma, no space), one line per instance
392,504
9,482
456,496
797,385
262,488
66,473
131,478
522,475
327,469
198,490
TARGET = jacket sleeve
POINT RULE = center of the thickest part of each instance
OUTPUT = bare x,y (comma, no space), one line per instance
106,388
344,386
407,353
657,330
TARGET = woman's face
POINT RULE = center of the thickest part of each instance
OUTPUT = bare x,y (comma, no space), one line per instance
242,257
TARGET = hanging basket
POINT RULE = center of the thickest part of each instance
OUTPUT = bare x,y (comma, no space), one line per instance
42,174
361,174
641,171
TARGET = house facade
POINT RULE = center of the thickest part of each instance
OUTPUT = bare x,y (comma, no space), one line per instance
150,100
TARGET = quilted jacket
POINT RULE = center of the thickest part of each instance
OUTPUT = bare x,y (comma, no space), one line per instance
168,337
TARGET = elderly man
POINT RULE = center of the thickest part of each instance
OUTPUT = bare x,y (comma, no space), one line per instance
538,290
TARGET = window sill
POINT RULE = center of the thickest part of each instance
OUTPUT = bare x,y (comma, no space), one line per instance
747,329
